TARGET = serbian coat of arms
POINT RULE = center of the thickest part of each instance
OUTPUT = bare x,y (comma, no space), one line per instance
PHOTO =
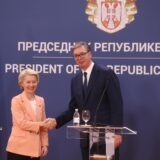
111,15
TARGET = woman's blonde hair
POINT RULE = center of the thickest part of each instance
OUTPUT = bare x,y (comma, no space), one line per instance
26,72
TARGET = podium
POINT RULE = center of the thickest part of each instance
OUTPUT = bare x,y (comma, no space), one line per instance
101,139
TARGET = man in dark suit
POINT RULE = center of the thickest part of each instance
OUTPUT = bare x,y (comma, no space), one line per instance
103,91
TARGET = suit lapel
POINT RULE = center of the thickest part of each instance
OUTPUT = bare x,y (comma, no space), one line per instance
38,109
92,82
80,86
28,107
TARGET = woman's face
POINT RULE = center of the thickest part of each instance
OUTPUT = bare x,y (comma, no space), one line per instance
29,84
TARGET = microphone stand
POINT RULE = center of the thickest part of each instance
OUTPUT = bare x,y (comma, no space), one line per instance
95,116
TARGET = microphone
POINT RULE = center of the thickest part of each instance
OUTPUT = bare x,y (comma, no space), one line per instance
97,108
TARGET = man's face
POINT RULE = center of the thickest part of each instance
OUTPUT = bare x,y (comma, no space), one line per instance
82,57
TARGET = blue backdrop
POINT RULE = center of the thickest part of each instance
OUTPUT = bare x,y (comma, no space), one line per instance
40,34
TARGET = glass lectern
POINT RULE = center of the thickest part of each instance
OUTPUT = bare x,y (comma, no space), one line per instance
101,139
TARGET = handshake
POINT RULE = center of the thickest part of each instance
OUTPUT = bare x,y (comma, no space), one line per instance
48,123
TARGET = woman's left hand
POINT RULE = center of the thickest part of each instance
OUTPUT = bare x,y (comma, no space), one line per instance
44,151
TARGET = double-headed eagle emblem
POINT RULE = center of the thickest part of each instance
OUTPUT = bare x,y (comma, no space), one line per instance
111,15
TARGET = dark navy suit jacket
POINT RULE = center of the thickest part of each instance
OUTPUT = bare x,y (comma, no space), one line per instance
109,109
